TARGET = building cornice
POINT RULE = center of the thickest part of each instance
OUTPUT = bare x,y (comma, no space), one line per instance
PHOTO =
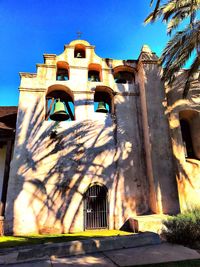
46,66
86,68
25,89
27,75
49,56
86,46
150,62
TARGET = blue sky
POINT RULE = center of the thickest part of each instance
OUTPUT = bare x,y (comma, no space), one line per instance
30,28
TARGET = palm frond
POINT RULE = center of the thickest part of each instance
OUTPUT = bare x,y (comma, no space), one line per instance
155,10
151,3
175,10
155,14
193,69
178,50
184,42
173,24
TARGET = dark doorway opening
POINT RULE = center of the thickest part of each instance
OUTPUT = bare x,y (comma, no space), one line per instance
96,208
187,139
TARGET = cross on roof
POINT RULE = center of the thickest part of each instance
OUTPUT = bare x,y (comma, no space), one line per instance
79,34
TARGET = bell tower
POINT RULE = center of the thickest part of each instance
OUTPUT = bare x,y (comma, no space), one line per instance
84,126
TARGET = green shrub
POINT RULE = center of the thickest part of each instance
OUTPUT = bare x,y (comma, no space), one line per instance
183,228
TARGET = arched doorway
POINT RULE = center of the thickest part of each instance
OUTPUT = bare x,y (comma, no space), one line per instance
95,207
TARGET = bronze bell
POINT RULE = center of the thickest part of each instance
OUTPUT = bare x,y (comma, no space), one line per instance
92,78
59,113
102,107
78,55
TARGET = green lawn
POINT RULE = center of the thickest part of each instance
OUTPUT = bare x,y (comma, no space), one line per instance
12,241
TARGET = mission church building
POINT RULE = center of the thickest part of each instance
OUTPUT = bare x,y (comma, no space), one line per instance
99,141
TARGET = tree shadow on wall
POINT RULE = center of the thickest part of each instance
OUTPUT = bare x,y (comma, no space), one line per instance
183,165
46,194
163,186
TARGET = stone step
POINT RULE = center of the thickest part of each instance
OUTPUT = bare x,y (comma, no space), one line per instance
151,223
93,245
144,223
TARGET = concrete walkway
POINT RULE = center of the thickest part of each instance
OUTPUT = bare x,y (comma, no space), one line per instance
78,247
130,250
152,254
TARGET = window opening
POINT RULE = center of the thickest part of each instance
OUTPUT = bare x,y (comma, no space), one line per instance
94,72
62,71
59,106
102,102
93,76
79,51
62,75
124,77
187,140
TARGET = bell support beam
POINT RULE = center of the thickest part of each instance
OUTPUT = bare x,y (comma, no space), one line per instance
69,110
50,108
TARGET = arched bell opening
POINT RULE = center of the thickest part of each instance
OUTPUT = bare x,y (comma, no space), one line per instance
96,207
103,100
94,73
190,131
60,104
79,51
124,74
62,73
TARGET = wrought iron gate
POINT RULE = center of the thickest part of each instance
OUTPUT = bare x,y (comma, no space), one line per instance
95,208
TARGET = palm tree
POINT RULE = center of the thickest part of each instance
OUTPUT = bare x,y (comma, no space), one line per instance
184,42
